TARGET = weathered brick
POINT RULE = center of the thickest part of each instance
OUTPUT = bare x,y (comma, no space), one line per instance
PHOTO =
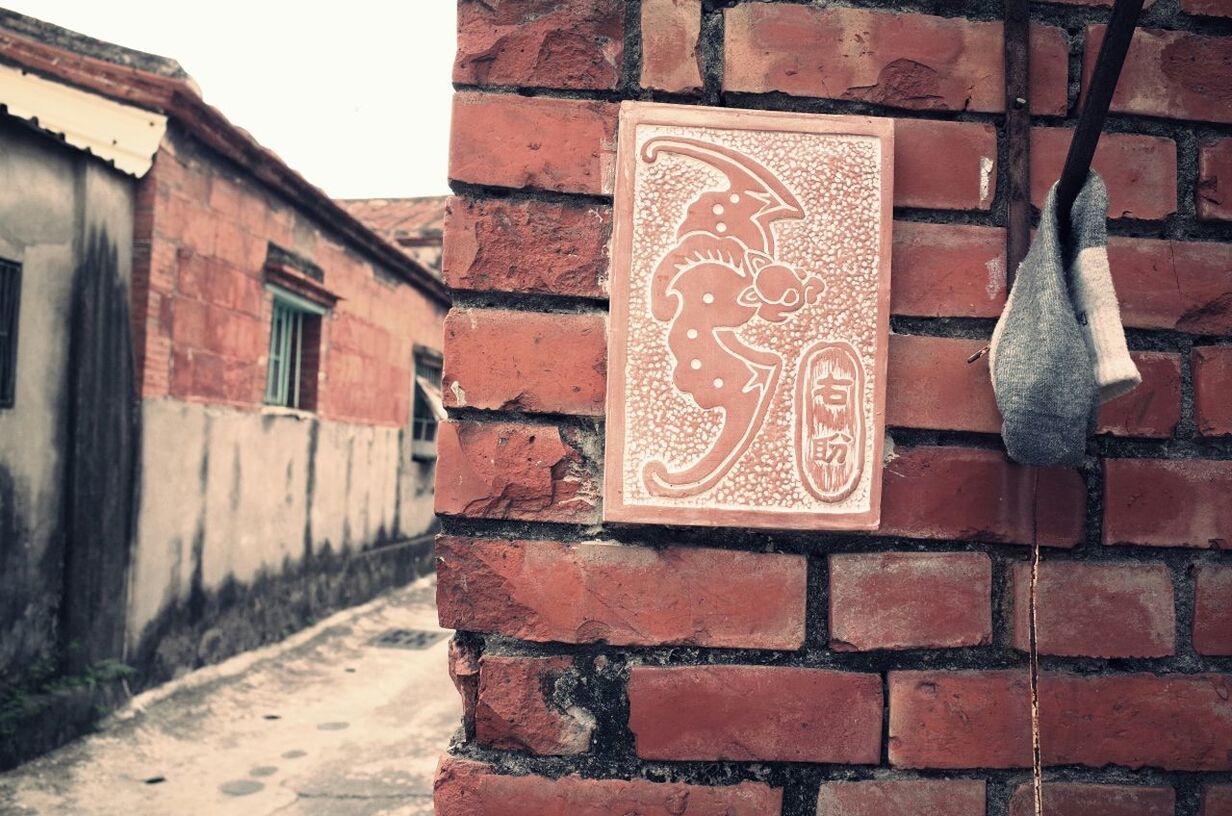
1212,384
512,471
1073,799
1096,610
755,713
670,33
540,43
886,58
1209,8
527,246
564,145
975,494
1173,74
466,788
943,270
950,719
1168,503
1153,408
1182,285
1217,801
943,165
525,361
622,595
1214,192
902,797
910,600
1139,171
1212,628
515,710
464,672
931,385
1179,722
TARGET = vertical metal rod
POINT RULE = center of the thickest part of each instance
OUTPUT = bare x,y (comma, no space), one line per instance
1017,134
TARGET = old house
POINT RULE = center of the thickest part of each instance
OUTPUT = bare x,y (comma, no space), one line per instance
417,225
218,390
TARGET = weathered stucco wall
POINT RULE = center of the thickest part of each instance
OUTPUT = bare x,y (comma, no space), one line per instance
249,494
60,212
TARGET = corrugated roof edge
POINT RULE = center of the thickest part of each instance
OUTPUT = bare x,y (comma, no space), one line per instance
178,98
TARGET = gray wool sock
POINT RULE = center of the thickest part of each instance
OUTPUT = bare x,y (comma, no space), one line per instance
1040,364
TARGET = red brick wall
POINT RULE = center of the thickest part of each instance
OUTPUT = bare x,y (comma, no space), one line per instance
203,315
618,669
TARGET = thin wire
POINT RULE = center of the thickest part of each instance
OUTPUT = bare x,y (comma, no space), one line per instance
1037,770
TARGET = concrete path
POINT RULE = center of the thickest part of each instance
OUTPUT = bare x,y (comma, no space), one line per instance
324,723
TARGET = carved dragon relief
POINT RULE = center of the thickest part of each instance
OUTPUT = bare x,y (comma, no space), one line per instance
721,275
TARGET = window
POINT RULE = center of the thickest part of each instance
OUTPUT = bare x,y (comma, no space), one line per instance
428,407
10,300
294,351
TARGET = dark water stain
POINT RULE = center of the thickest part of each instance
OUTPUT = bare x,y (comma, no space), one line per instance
102,457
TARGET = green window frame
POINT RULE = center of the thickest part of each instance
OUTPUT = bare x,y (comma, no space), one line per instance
10,303
285,377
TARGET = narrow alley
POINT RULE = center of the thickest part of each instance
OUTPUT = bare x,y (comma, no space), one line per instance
328,721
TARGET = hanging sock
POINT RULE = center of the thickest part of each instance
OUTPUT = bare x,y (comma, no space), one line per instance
1055,354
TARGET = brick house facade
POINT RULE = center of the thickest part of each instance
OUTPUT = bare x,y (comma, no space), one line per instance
244,439
617,668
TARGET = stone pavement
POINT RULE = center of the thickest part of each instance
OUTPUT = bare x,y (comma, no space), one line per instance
322,723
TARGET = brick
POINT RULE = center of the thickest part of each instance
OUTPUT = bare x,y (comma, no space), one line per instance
1208,8
886,58
524,361
1212,628
1179,722
516,712
943,270
1168,503
563,145
540,43
622,595
1172,74
670,57
1153,408
942,165
464,672
931,385
1139,171
1096,610
1217,801
976,494
1073,799
466,788
950,719
902,797
910,601
1212,383
1181,285
513,471
1213,196
527,246
755,713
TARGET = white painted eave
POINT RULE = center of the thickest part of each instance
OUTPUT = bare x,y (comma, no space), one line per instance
124,135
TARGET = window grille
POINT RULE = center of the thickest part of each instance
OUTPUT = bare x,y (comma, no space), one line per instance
10,302
428,409
295,332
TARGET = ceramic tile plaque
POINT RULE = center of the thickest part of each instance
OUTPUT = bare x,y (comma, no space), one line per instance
749,318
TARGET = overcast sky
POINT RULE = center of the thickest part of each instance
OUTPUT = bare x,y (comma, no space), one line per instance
354,95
